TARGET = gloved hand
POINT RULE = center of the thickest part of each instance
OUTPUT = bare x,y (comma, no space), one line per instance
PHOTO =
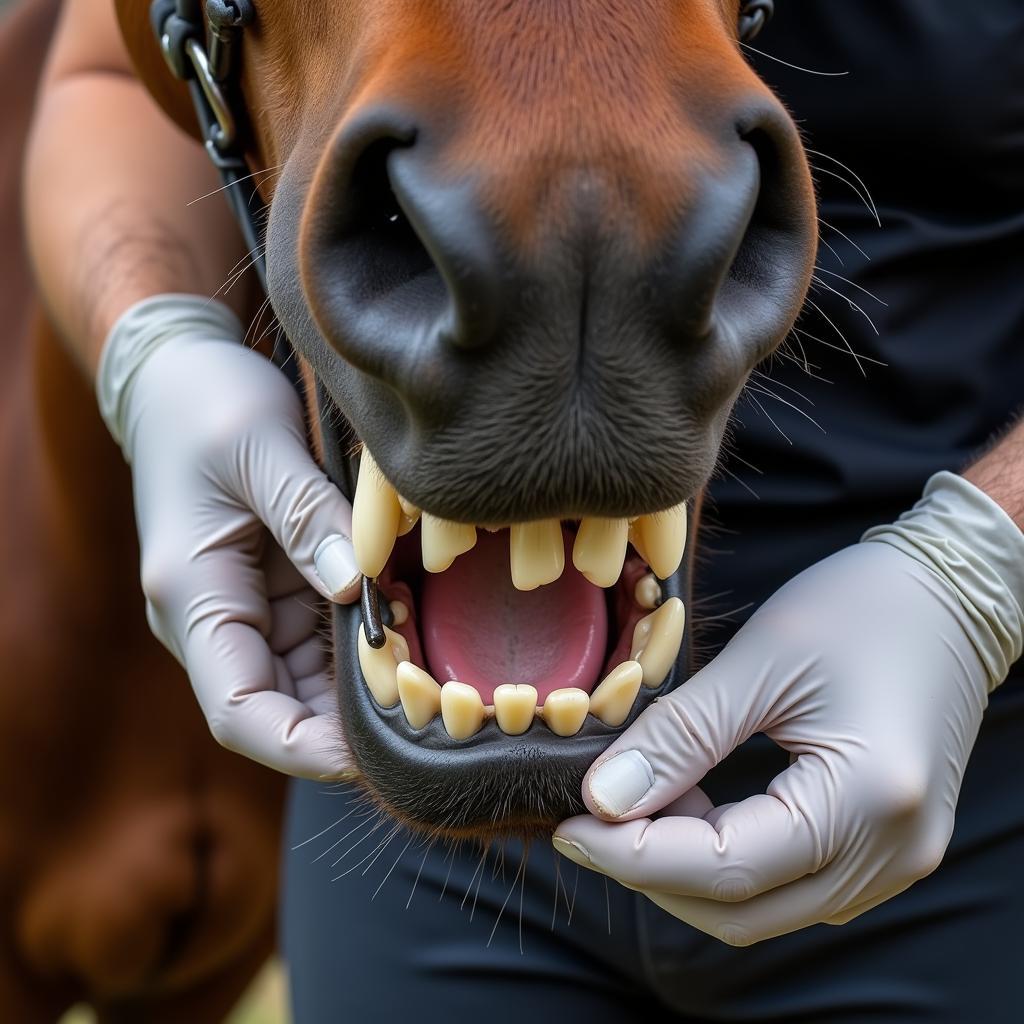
872,668
225,488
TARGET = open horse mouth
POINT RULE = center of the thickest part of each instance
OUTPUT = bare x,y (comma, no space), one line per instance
511,656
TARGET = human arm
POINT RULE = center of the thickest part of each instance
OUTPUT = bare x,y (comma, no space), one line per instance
108,221
222,475
873,668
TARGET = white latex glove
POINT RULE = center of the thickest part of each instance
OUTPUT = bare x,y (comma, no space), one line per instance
873,669
215,435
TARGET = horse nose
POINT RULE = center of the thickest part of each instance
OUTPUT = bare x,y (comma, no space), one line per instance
413,264
399,261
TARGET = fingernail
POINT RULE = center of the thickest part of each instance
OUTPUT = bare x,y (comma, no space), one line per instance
621,782
572,851
335,564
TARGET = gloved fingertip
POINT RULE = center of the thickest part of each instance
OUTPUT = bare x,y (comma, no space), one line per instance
335,563
572,850
620,783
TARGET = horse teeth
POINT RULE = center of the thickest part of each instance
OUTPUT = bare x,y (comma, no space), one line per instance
376,514
410,516
443,541
566,710
536,553
462,710
380,666
515,707
656,641
661,538
399,613
420,694
600,549
613,699
647,592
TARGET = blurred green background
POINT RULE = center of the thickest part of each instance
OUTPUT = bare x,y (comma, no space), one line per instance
265,1003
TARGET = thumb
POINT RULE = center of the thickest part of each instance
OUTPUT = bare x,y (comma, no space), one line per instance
675,742
307,515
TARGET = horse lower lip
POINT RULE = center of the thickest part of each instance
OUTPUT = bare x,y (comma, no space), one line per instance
491,784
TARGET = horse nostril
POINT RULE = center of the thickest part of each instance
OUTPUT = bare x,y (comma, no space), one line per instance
396,260
377,245
768,237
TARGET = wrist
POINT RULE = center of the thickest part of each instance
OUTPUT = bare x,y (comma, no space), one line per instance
969,541
140,331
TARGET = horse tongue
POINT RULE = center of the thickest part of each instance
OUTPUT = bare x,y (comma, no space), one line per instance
479,629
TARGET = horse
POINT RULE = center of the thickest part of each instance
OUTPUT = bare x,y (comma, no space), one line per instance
527,256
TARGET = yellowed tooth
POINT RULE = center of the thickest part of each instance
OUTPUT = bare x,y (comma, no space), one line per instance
375,517
647,592
409,518
420,694
515,707
657,639
661,539
462,710
565,711
600,549
380,665
443,541
537,553
399,613
613,699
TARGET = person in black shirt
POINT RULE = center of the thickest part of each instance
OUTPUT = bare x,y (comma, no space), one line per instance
908,360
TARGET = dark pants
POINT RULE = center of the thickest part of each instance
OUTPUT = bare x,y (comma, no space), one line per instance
415,934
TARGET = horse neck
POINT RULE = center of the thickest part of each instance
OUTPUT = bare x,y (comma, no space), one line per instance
77,488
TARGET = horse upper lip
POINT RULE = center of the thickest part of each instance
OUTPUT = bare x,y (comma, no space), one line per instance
380,515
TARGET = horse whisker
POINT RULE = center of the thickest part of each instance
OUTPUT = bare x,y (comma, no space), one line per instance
237,181
865,199
753,398
853,284
497,921
390,869
778,398
795,67
856,177
844,236
846,298
856,358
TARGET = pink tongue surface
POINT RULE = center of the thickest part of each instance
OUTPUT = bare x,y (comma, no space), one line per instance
479,629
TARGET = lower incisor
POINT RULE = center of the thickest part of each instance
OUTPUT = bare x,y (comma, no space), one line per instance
420,694
566,710
462,710
515,707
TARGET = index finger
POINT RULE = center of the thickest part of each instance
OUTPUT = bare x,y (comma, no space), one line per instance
234,675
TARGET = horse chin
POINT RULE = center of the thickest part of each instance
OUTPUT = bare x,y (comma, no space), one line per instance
489,783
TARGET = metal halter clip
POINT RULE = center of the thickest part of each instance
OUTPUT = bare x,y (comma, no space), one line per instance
225,134
200,50
205,58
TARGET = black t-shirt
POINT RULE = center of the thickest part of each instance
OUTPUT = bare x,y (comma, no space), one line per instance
931,117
